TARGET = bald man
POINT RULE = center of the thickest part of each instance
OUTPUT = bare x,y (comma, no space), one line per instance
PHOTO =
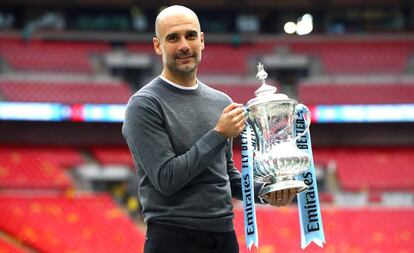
180,132
179,41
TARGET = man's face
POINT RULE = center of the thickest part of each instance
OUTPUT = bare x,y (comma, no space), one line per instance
180,43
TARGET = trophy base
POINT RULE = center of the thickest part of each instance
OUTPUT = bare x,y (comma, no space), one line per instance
300,186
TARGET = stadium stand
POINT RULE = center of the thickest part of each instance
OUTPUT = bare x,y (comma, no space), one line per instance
140,48
9,247
357,56
39,55
31,168
62,156
373,229
112,155
65,92
224,60
312,93
368,168
59,224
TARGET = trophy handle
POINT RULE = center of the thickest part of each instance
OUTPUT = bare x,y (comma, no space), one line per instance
306,118
253,126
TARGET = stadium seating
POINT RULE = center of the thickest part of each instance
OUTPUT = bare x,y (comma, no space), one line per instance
40,55
65,92
63,156
374,168
380,230
7,247
357,56
37,175
355,93
36,168
337,57
59,224
140,48
112,155
224,59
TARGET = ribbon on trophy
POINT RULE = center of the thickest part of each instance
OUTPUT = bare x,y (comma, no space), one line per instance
308,201
250,226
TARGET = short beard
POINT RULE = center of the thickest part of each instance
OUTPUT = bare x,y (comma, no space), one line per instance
186,70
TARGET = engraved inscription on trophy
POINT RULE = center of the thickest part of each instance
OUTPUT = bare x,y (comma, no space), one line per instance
276,158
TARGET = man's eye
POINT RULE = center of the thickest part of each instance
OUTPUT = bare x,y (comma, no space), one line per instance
192,36
172,38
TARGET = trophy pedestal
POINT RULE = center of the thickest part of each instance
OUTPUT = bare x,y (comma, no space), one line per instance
300,186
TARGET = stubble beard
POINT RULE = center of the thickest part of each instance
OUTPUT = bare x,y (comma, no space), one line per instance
187,70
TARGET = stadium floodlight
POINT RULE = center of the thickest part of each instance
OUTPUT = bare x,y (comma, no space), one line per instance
290,27
305,25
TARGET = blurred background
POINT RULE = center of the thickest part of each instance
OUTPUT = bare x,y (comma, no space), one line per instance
67,69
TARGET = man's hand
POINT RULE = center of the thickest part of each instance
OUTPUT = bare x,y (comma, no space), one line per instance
281,198
232,120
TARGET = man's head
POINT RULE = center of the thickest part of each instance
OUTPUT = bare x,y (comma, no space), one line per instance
179,41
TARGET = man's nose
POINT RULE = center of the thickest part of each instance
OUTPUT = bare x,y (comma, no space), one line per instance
183,46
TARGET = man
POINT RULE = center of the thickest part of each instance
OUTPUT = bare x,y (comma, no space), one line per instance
179,132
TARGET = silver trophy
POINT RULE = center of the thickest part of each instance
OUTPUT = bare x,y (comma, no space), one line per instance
276,158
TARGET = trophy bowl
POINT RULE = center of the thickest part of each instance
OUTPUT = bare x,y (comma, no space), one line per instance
276,158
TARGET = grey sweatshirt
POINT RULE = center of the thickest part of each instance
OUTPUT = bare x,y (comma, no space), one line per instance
184,167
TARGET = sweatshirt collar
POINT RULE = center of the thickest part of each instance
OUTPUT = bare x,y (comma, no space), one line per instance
180,86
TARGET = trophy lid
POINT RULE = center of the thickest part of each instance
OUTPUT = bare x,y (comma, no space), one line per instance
266,93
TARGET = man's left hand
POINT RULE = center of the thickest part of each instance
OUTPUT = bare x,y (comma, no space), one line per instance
280,198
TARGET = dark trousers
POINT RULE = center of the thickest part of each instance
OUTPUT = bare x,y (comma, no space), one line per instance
169,239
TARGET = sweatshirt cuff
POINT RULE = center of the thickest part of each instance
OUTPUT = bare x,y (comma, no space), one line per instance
214,138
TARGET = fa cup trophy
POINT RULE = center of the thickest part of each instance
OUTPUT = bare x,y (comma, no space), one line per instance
276,158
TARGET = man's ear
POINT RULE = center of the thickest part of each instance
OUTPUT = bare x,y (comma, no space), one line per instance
157,45
202,40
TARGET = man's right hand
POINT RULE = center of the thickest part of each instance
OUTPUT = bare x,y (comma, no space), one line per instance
232,121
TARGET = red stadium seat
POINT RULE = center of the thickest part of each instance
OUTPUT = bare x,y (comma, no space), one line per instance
62,156
356,93
372,169
50,56
36,168
65,92
223,59
141,48
8,247
113,155
57,224
357,56
378,230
